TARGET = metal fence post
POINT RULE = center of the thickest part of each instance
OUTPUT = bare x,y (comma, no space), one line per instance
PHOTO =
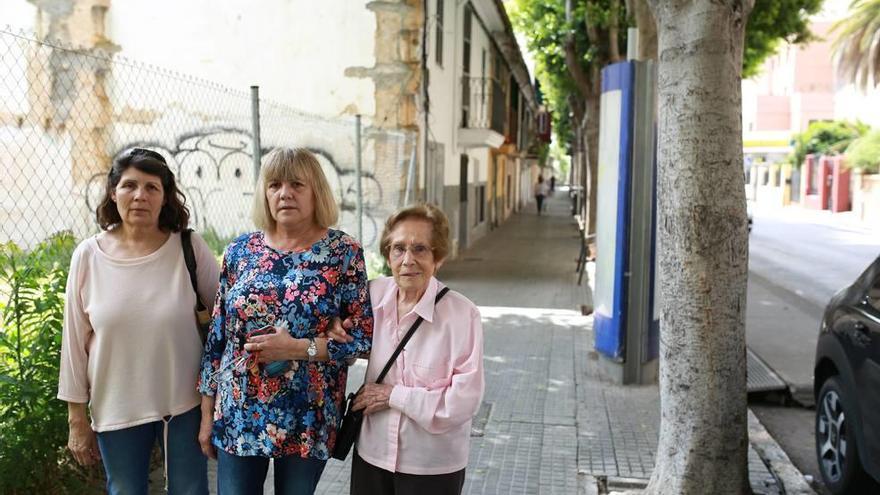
358,165
255,128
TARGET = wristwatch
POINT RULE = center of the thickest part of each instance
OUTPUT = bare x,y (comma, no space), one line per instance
312,350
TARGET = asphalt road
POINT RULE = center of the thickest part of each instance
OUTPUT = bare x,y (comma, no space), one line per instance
797,260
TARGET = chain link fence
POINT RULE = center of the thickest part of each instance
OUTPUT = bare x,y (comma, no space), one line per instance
65,113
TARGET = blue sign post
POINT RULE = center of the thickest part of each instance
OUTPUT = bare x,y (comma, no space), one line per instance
625,321
612,215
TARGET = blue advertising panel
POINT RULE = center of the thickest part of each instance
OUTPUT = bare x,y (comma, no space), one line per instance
612,209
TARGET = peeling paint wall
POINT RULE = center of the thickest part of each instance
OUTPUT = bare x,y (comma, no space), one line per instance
396,75
77,103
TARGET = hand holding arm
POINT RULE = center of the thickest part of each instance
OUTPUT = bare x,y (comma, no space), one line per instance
279,345
338,331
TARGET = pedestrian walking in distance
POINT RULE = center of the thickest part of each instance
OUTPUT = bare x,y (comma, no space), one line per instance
540,193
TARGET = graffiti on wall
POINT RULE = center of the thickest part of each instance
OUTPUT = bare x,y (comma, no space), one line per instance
214,167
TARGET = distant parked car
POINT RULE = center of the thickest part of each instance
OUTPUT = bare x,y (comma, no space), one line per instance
847,387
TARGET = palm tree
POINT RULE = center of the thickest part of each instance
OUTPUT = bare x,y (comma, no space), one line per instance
858,43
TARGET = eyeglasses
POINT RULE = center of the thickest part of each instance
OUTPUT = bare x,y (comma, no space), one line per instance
419,251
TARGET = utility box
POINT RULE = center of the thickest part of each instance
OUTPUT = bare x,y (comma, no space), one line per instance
626,315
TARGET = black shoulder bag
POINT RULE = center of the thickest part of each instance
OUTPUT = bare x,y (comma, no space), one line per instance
203,315
351,420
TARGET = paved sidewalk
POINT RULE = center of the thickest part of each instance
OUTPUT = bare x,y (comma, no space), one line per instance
548,425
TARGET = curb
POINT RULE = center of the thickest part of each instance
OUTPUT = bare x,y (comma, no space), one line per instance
791,480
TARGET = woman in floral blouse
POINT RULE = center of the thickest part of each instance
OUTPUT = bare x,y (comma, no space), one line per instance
279,394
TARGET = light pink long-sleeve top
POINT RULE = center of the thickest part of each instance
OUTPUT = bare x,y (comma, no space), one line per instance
438,382
130,347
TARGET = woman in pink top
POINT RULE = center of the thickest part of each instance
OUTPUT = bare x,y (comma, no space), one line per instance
130,346
417,422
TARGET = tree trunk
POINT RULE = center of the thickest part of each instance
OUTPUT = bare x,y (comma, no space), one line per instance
703,249
640,10
591,138
613,32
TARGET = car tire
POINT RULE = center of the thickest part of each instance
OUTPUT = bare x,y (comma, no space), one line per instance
836,440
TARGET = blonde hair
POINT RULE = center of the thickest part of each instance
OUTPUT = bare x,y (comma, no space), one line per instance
294,164
427,212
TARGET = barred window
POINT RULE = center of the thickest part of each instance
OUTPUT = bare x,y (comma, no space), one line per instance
438,51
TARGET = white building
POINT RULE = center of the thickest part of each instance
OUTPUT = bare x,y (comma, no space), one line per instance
448,102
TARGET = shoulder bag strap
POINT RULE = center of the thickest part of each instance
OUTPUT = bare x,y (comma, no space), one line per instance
409,335
189,258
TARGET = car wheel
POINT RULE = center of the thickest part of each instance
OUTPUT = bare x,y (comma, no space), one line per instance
836,440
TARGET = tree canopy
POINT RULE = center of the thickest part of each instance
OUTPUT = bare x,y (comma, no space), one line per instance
773,22
544,24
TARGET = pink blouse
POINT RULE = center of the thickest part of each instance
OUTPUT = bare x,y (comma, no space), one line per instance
438,382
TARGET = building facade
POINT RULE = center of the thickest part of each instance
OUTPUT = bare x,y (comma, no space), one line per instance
448,103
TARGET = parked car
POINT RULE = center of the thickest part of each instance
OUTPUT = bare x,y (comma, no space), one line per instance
847,387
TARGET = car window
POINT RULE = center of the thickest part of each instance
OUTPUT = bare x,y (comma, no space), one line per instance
874,294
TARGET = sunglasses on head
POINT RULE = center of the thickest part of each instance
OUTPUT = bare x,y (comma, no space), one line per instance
132,153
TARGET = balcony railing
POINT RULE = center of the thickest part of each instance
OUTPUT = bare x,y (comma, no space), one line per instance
483,104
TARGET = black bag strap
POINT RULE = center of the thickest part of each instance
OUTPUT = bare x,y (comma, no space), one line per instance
406,338
189,258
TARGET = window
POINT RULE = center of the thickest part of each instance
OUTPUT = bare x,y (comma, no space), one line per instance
873,294
479,205
438,36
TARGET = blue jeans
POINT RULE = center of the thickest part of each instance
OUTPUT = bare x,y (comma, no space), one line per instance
126,456
294,475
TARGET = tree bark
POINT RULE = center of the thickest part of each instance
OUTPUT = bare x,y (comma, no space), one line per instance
703,249
591,141
613,32
647,27
572,62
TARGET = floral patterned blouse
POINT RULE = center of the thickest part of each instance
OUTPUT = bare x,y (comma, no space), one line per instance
298,411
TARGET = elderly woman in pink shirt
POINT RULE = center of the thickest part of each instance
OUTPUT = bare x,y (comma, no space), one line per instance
417,422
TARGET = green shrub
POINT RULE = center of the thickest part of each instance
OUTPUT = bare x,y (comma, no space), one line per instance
376,265
33,422
864,153
825,138
216,242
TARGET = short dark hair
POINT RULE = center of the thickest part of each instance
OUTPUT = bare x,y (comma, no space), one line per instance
174,215
426,212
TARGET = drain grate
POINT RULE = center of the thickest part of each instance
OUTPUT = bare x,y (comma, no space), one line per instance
760,377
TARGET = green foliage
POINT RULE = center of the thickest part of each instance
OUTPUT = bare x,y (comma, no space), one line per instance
545,27
33,423
825,138
864,153
376,265
543,152
856,45
770,23
216,242
544,24
557,153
